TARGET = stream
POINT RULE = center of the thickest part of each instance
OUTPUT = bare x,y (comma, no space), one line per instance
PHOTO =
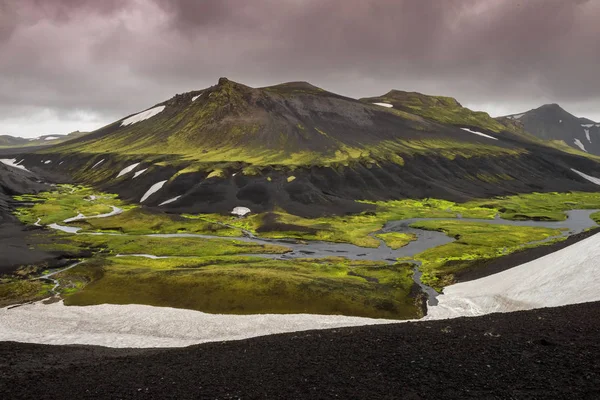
577,221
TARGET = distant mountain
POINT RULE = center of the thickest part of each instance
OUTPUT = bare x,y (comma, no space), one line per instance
310,152
551,122
8,142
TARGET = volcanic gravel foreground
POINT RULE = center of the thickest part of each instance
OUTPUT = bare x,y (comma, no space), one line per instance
548,353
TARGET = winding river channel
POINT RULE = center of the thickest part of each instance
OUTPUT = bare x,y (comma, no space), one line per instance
577,221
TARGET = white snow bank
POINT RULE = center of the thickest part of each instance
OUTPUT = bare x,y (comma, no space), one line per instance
588,177
51,138
241,211
195,97
174,199
47,161
153,189
146,326
13,163
579,144
98,163
139,173
568,276
587,125
587,135
384,105
479,133
127,170
143,116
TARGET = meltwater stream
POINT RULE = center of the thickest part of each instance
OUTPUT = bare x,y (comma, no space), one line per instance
577,221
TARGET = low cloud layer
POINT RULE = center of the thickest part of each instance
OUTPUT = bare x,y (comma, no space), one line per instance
77,64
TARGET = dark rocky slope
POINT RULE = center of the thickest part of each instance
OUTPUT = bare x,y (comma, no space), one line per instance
551,122
14,236
539,354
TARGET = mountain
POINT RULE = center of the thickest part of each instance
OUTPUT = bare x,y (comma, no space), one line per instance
551,122
10,142
310,152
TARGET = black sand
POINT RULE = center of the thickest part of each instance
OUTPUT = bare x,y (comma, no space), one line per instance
540,354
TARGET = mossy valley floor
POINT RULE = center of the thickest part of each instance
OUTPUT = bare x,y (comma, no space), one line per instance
224,275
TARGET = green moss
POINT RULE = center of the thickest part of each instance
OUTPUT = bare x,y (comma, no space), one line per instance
539,206
16,291
247,286
66,202
474,241
395,240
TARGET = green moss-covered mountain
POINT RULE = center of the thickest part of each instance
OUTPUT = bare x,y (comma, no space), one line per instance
310,152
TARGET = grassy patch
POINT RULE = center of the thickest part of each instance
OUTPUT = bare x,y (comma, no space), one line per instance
66,202
249,285
395,240
133,244
475,241
14,291
139,221
539,206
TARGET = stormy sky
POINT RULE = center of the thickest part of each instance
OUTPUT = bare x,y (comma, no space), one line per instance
78,64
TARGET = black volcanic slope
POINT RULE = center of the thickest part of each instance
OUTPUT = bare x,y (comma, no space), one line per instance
551,122
539,354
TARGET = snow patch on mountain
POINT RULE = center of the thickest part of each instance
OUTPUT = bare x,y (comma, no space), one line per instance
587,125
241,211
196,97
387,105
143,116
568,276
139,173
588,177
128,169
587,135
153,189
579,144
98,163
174,199
479,133
51,138
13,163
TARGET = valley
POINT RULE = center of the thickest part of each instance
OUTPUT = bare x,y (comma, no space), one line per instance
285,201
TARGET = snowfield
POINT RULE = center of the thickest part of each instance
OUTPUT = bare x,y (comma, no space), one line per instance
146,326
478,133
196,97
144,115
588,177
173,200
139,173
128,169
51,138
568,276
387,105
153,189
579,144
587,135
13,163
98,163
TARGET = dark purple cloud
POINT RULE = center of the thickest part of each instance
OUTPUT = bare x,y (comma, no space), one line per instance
100,60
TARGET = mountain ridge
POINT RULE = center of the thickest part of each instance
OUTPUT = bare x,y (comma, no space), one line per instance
300,148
